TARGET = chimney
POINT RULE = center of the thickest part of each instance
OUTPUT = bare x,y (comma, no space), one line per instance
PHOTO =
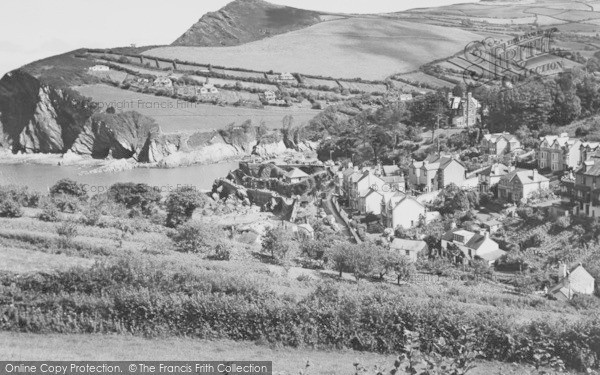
562,271
564,135
469,96
453,225
534,174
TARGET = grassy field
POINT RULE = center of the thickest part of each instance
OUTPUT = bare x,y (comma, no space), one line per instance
358,47
421,77
175,115
24,347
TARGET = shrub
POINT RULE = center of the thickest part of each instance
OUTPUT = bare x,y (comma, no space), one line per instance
20,194
10,208
66,203
140,197
68,187
182,203
49,212
66,231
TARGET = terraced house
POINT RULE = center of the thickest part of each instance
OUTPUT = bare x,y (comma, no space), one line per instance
499,143
559,152
584,189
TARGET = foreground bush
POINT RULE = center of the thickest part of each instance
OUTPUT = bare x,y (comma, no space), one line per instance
182,203
10,208
136,197
196,237
20,194
68,187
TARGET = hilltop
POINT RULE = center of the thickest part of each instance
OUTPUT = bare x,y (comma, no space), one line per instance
243,21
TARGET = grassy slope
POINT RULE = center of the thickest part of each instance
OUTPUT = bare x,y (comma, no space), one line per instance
243,21
22,347
175,115
366,47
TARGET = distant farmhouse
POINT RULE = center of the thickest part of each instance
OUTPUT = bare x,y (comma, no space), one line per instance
164,82
99,68
208,89
464,111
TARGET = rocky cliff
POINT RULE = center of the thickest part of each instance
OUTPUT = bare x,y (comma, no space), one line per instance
40,118
244,21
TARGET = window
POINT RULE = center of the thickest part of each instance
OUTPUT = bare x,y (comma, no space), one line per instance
407,253
554,156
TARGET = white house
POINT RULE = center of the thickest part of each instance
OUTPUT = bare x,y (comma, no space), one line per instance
208,88
408,248
286,77
572,282
473,245
402,211
99,68
295,175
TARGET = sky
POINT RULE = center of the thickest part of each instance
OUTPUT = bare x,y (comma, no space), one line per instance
33,29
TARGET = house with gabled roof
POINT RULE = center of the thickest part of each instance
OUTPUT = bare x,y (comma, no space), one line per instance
571,282
472,245
402,210
559,152
362,185
521,184
436,172
409,248
499,143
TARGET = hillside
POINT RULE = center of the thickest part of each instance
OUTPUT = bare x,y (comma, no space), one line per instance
243,21
369,47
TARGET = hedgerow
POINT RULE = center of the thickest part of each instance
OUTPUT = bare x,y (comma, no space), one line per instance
143,298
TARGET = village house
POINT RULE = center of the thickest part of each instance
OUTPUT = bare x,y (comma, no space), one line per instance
436,172
402,211
587,150
464,111
488,178
472,245
499,143
286,77
572,282
99,68
583,188
520,184
559,152
295,175
368,181
391,170
163,82
371,202
208,89
270,96
409,248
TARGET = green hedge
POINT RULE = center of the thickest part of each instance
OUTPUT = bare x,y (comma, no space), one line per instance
146,299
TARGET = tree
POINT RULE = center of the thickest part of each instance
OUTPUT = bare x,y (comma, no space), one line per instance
280,243
68,187
182,203
399,265
454,199
196,237
341,257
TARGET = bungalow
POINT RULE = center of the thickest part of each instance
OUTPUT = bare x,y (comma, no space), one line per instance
520,184
409,248
402,211
499,143
99,68
294,176
572,282
472,245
